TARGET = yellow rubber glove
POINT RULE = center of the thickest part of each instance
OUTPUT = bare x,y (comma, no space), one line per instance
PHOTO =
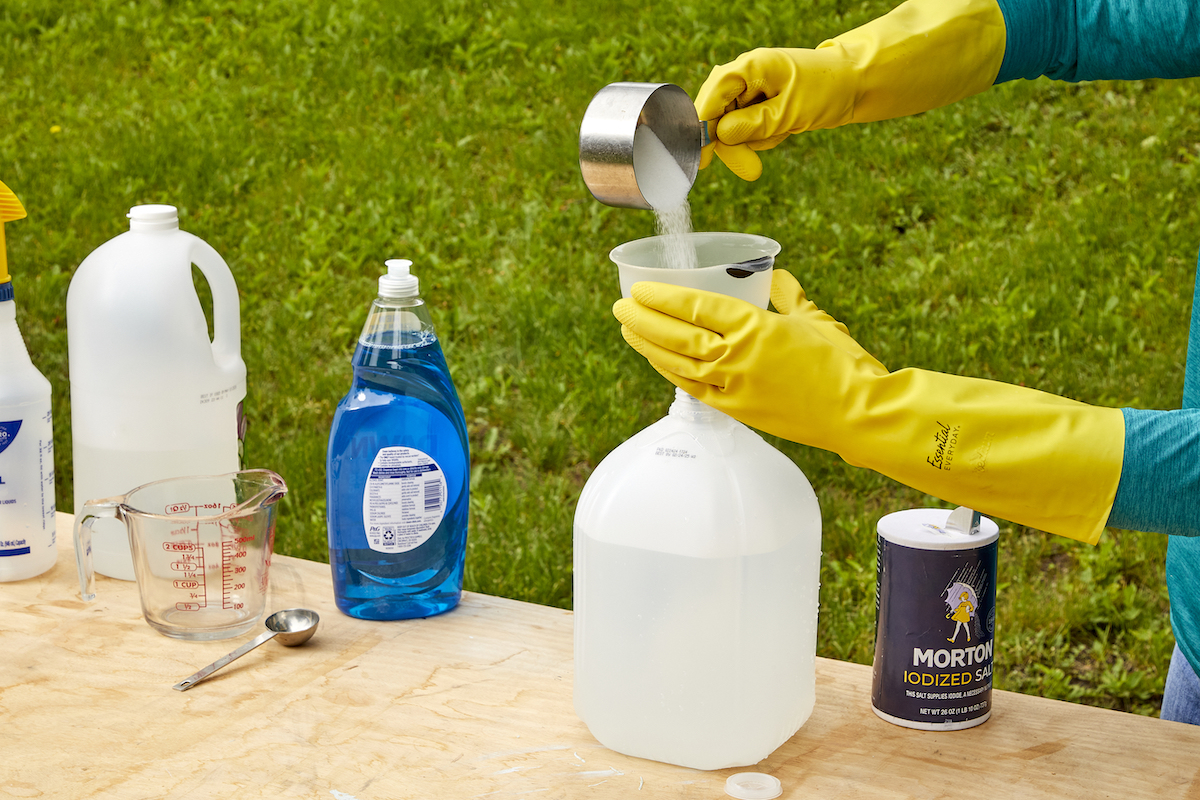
922,55
1008,451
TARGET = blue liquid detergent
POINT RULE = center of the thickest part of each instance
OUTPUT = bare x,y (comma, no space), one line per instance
397,481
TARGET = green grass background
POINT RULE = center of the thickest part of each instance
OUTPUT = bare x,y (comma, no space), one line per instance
1041,233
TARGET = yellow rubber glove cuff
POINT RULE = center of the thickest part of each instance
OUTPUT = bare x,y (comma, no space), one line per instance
1008,451
924,54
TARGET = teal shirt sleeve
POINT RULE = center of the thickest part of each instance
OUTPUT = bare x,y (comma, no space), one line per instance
1160,476
1087,40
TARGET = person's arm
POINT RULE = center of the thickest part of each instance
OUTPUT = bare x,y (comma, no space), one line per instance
1008,451
1160,477
1086,40
928,53
922,55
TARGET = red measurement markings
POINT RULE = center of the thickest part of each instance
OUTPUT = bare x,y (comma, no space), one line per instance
190,552
233,571
191,561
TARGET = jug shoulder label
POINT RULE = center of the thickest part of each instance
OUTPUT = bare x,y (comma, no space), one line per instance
404,499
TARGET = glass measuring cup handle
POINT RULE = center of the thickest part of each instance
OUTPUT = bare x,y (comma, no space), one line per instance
92,511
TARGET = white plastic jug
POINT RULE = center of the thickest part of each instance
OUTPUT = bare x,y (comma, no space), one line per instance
151,396
697,561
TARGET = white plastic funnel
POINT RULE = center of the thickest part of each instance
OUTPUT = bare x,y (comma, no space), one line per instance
736,264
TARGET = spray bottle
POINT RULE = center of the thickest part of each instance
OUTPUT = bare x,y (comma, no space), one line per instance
27,541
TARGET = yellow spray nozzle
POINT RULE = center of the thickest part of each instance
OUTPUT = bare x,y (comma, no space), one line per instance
10,209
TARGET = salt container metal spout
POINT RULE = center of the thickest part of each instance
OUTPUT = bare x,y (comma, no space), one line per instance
618,118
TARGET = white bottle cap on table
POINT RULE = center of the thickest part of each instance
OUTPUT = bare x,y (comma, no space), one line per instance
753,786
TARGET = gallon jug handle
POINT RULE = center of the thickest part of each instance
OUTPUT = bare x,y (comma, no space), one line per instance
227,332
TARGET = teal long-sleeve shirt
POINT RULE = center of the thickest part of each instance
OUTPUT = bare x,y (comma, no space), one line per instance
1088,40
1079,40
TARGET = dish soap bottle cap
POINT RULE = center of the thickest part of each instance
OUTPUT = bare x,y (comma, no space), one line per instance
399,281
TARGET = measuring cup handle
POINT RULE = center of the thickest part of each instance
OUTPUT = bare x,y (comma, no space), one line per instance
192,680
92,511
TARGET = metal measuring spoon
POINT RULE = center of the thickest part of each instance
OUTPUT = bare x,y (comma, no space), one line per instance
291,627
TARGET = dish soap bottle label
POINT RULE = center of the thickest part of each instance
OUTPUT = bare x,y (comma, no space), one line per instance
404,499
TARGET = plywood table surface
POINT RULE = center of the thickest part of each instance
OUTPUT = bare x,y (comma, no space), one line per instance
470,704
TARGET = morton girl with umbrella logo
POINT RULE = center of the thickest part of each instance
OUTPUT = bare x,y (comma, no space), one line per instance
963,603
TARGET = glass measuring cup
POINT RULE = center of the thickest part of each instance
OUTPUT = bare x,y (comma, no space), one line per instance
201,550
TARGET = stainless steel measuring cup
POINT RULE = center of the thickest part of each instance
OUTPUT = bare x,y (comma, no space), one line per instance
606,138
201,550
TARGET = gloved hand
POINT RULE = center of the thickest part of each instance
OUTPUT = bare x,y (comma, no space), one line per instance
1008,451
922,55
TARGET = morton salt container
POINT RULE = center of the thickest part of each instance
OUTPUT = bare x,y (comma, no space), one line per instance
697,559
935,618
152,396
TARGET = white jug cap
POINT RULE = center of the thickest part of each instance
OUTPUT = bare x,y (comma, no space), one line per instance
753,786
153,217
399,281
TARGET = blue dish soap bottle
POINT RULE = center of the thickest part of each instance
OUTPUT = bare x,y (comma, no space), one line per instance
398,473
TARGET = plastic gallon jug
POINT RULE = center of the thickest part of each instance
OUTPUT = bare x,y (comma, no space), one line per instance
27,546
697,560
398,474
151,396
